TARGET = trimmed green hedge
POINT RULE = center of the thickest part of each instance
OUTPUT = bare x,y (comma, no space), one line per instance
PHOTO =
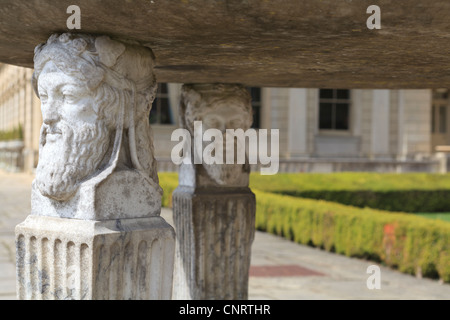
414,192
404,241
399,240
444,216
14,134
168,182
354,181
404,201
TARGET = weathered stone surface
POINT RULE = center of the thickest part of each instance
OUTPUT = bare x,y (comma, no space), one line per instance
124,195
60,259
220,107
96,151
262,43
215,231
213,208
95,230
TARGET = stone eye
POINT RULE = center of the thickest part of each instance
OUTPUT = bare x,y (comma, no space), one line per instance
69,98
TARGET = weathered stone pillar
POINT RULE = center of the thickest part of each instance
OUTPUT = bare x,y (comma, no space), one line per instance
213,208
94,231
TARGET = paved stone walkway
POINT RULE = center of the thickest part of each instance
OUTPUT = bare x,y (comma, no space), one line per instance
280,269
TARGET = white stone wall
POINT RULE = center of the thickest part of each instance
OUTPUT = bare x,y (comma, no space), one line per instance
394,126
20,106
380,124
417,121
366,122
298,125
279,114
385,124
313,118
409,116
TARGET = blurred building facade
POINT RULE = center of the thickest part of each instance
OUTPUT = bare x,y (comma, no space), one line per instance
20,119
321,130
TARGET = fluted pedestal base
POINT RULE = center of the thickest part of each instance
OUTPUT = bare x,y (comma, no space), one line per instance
61,258
215,230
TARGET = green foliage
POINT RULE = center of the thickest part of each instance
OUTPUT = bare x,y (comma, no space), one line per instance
408,242
168,182
404,241
14,134
404,200
441,216
349,181
410,192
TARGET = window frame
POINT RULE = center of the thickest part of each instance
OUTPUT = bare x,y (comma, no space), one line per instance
158,96
334,101
256,105
440,101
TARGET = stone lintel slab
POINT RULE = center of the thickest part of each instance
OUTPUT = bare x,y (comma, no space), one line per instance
287,43
61,259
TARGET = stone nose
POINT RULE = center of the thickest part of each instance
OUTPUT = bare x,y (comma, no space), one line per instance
50,113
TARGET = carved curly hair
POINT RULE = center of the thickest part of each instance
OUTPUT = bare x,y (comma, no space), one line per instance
120,73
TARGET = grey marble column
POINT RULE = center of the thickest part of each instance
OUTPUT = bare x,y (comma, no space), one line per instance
95,230
213,208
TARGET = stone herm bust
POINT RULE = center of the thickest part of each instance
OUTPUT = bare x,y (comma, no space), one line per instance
96,150
217,106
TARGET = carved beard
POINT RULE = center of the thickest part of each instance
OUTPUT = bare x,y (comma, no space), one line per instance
69,157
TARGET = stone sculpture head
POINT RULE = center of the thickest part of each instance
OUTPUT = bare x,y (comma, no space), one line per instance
96,94
218,106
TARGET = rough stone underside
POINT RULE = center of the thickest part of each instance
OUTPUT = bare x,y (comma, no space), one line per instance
288,43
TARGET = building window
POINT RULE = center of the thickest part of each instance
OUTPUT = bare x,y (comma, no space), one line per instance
334,109
440,94
442,119
255,93
161,112
439,111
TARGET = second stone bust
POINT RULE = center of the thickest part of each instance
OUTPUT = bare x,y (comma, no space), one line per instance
217,106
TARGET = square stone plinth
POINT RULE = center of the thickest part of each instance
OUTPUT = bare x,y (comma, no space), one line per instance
60,258
215,231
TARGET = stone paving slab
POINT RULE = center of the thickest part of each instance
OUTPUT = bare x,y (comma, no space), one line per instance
344,278
341,277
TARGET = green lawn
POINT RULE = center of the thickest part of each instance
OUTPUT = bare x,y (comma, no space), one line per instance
408,242
408,192
439,216
426,193
346,181
341,181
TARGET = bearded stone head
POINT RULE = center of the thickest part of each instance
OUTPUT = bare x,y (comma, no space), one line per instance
222,107
93,103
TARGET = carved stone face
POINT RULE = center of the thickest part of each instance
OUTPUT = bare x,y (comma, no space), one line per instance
223,116
73,140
